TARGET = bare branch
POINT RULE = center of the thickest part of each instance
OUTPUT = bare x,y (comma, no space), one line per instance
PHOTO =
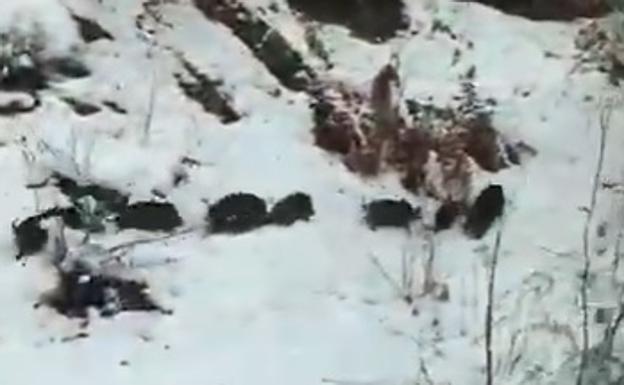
150,110
605,117
490,309
397,288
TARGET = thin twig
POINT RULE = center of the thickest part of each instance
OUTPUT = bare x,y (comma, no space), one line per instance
129,245
429,284
489,308
398,289
605,118
425,372
150,110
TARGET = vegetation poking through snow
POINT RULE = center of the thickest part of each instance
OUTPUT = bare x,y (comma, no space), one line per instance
81,108
560,10
601,46
433,148
205,91
90,30
265,42
372,20
110,199
80,289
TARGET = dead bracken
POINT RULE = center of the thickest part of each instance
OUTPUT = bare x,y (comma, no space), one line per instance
433,148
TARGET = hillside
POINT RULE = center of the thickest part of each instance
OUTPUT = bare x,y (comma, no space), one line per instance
125,124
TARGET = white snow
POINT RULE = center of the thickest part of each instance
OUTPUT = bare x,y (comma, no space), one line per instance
306,304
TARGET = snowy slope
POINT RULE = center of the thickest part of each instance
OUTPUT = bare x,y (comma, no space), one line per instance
307,304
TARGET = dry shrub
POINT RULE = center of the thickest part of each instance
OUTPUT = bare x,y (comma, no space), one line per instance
434,149
601,47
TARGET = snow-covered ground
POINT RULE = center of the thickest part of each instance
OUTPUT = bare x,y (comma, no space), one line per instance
307,304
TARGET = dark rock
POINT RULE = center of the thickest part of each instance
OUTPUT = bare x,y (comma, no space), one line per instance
294,207
29,237
80,289
237,213
331,134
390,213
447,215
90,30
373,20
149,216
488,206
82,108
